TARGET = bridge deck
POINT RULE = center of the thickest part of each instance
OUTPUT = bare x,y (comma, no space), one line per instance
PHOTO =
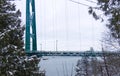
72,53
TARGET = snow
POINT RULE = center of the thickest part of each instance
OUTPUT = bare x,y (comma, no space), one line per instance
10,73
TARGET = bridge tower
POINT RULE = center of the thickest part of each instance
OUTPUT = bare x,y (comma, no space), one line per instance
30,37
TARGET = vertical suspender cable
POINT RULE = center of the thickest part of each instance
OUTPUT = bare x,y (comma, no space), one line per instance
53,24
41,26
79,28
44,27
66,24
93,39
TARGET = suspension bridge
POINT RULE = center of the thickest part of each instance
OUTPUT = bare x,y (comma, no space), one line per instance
31,38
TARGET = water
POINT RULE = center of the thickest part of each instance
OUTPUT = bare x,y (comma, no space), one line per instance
59,65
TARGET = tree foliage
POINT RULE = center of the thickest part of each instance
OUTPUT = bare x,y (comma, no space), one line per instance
82,67
88,66
110,9
110,43
100,66
13,61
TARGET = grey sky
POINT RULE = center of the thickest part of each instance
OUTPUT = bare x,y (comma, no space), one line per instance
67,22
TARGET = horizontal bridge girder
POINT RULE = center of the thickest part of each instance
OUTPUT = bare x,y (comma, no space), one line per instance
65,53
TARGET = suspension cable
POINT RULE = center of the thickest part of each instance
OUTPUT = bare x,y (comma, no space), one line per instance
80,3
91,1
83,4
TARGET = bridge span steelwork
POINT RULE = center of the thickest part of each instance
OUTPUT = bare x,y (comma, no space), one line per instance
73,53
31,38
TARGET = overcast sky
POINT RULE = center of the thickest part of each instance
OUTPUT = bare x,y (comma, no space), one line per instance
66,22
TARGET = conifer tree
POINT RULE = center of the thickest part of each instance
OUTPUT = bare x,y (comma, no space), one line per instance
82,67
13,61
